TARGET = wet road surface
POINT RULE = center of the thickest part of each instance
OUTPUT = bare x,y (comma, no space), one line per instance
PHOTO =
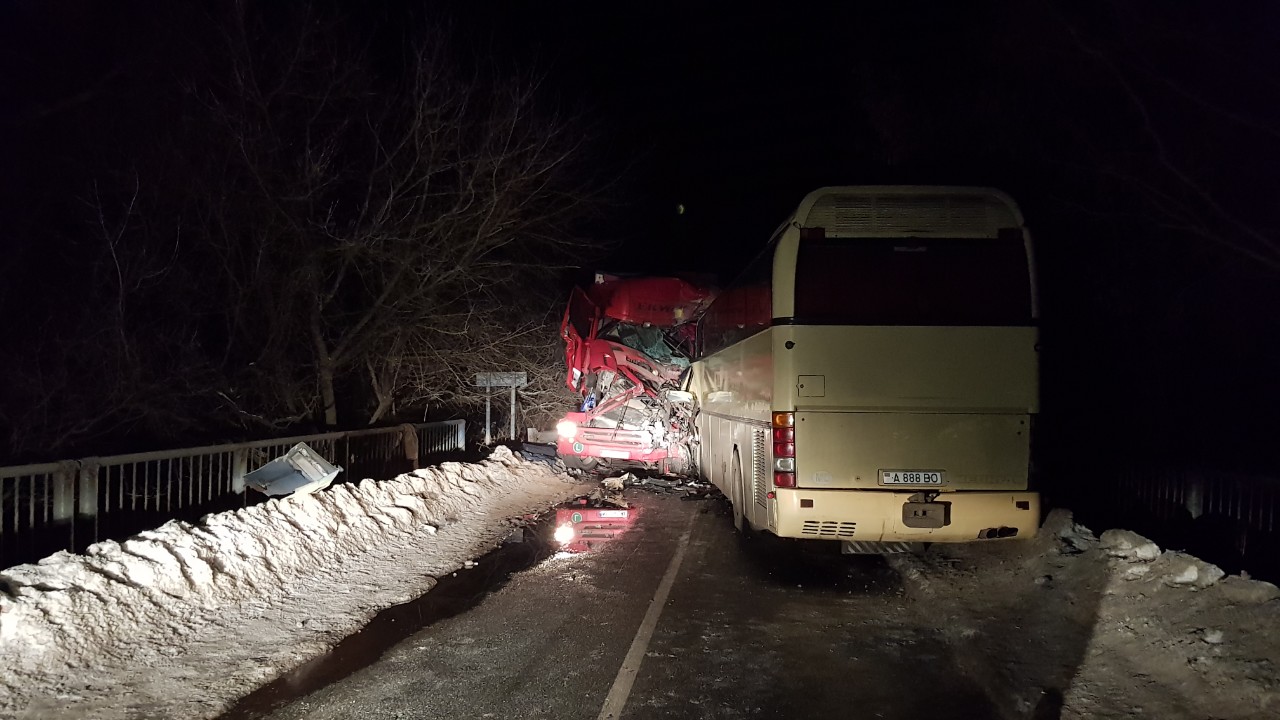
748,629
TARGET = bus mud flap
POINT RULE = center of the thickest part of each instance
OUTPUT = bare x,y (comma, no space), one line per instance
876,547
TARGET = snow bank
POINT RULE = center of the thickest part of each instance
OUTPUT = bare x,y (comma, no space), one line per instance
1075,626
184,619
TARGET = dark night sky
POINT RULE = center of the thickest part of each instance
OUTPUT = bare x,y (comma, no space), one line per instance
735,114
736,111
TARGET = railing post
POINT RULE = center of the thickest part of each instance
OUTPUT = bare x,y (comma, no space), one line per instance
487,423
409,445
239,468
1194,500
64,500
462,435
88,492
64,492
513,413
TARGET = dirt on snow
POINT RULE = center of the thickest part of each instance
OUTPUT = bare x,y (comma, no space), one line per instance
1072,625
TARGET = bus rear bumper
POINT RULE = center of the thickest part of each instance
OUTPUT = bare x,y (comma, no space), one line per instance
878,516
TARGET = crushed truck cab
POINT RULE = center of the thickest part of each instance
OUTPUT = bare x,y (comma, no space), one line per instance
627,347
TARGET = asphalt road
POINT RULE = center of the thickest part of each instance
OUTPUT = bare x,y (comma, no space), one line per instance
746,629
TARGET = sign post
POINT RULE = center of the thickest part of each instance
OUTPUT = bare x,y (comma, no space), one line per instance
512,380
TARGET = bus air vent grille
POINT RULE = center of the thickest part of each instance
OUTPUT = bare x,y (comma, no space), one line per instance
828,528
759,466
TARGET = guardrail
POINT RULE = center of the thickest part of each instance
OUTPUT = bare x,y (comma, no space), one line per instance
1252,502
1230,519
70,504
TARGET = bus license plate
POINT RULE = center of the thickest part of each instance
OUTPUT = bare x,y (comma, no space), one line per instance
910,477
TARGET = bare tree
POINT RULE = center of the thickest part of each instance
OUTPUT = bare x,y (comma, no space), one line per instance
1162,171
328,226
518,338
361,224
122,362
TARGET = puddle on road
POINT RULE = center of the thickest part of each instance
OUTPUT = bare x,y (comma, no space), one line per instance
452,595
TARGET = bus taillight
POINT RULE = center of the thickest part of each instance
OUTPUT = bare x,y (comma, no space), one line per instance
784,449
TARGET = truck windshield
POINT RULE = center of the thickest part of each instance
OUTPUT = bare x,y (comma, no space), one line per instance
649,340
913,281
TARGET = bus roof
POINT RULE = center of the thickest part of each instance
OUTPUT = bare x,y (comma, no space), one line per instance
902,210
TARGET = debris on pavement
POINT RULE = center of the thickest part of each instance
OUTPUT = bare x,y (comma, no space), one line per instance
603,495
610,490
688,488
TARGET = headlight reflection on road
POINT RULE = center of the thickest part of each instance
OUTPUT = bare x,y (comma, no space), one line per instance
564,534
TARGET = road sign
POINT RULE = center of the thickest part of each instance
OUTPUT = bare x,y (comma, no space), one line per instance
512,380
501,379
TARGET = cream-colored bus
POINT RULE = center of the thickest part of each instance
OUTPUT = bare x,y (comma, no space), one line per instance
872,377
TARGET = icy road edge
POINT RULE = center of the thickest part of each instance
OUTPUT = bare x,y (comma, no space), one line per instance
185,619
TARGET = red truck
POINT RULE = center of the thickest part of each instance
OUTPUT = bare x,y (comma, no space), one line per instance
627,347
582,527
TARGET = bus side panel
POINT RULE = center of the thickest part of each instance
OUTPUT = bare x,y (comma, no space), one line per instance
737,382
734,389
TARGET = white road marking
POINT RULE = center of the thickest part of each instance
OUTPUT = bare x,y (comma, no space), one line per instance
616,700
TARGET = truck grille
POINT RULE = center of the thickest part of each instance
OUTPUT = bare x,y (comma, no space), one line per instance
630,438
829,528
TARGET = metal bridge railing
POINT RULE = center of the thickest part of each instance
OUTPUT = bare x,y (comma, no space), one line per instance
1252,502
73,503
1230,519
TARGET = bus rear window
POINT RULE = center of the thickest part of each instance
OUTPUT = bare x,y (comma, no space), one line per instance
913,281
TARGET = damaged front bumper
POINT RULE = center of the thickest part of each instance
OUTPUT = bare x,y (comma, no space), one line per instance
578,439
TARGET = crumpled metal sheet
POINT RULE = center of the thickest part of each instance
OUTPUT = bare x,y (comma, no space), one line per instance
301,471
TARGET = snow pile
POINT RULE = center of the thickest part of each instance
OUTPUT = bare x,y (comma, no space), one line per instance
1108,627
184,619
